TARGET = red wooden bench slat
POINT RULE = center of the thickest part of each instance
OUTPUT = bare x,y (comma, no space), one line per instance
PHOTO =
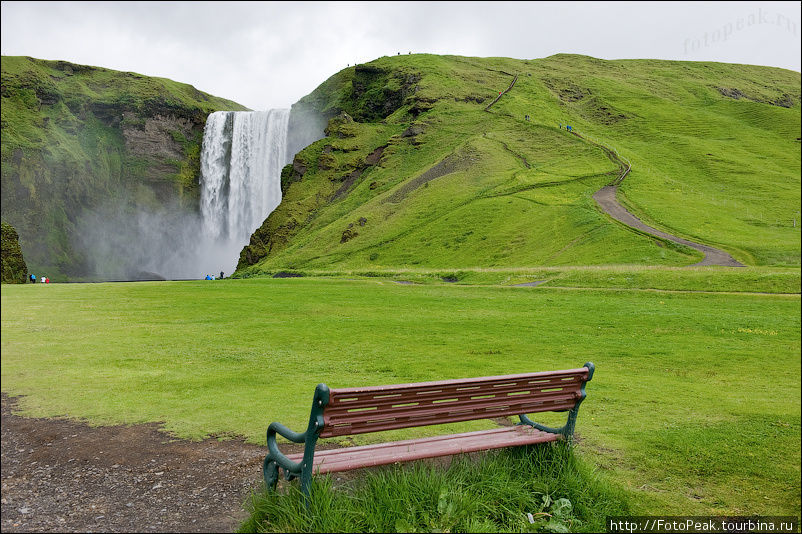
512,404
375,446
335,460
582,371
339,401
380,423
346,412
376,408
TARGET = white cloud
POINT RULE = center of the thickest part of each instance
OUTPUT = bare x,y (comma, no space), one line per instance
265,55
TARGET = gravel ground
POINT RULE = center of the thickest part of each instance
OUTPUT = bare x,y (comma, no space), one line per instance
65,476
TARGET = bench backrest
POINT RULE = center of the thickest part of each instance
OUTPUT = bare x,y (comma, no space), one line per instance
373,409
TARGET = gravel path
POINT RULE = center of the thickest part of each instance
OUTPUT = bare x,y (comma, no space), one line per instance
606,199
64,476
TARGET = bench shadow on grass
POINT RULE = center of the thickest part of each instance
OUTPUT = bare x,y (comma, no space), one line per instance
480,492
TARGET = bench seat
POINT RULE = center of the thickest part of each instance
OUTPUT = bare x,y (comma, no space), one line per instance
334,460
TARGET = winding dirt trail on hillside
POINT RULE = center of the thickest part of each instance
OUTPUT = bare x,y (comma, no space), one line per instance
607,201
504,92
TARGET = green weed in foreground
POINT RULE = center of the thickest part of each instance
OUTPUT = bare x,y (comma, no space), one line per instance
493,492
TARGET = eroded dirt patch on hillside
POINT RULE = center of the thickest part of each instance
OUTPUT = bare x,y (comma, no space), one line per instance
64,476
450,164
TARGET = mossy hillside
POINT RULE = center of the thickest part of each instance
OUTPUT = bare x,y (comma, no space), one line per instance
74,136
454,186
14,269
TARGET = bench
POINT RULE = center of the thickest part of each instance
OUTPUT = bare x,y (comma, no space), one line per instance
350,411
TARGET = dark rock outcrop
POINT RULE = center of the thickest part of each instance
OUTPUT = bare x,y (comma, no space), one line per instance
14,270
340,126
785,100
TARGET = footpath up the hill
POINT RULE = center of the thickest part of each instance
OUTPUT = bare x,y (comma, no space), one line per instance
606,198
607,201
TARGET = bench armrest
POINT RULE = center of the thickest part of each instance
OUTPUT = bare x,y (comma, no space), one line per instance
275,459
272,446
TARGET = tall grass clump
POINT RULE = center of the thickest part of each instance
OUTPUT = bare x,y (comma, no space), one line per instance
492,492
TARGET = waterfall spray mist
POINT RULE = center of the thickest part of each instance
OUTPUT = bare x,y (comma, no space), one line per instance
139,234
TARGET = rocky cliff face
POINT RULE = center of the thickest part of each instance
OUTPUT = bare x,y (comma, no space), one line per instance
77,138
154,141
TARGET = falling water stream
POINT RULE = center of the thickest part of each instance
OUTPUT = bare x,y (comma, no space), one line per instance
241,160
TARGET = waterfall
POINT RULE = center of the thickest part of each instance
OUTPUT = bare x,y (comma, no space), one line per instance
241,160
242,155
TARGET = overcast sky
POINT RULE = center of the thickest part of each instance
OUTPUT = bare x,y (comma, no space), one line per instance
268,55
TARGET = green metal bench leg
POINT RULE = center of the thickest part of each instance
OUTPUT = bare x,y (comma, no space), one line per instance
567,430
316,422
306,483
270,473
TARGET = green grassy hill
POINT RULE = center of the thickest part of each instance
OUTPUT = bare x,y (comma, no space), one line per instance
74,136
415,173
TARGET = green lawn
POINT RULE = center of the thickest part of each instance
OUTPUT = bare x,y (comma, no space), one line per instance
607,277
694,407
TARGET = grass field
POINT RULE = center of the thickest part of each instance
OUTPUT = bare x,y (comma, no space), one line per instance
694,408
618,277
